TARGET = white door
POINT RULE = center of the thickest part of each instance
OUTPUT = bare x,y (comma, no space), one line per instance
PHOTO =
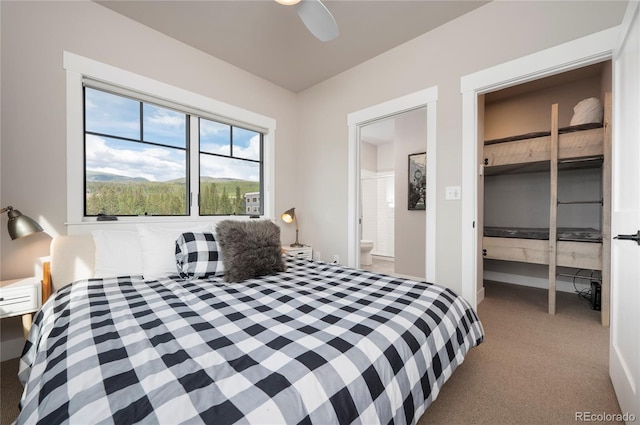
624,353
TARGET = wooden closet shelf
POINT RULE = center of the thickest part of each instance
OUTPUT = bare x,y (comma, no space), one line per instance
587,146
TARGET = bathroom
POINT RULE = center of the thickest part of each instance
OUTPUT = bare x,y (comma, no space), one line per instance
392,235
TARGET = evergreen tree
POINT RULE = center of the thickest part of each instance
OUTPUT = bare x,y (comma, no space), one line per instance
225,203
237,205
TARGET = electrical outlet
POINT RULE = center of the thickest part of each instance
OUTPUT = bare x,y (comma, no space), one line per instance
336,258
317,256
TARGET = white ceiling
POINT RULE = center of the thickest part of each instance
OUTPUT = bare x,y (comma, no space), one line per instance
269,40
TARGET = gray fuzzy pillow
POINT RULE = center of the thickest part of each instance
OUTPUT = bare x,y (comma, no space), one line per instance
249,249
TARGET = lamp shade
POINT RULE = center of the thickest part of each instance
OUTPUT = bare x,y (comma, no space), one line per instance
20,225
289,215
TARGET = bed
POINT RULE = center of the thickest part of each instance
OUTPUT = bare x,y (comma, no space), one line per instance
582,146
579,248
566,148
577,146
313,343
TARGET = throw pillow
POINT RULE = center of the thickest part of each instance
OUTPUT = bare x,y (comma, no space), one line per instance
197,255
249,249
118,253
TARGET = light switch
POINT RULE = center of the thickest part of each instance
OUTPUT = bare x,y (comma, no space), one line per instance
453,193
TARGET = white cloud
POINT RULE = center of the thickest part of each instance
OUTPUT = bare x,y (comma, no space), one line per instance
252,151
160,164
164,117
152,163
225,168
212,128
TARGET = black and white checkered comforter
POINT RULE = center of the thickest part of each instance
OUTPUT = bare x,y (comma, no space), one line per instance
319,343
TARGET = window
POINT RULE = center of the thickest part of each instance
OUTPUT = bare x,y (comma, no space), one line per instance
230,168
155,100
135,157
137,160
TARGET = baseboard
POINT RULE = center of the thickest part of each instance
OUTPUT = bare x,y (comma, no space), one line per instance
534,282
382,257
480,295
406,276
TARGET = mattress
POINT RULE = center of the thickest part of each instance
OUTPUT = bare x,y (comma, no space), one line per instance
319,343
563,130
563,233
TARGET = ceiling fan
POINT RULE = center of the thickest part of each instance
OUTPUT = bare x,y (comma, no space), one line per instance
316,18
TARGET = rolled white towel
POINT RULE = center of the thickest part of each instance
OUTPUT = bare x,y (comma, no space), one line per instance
587,111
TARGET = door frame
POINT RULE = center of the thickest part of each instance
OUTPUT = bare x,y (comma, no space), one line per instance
355,120
578,53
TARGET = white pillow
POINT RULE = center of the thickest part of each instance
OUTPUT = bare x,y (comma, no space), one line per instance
587,111
159,248
117,253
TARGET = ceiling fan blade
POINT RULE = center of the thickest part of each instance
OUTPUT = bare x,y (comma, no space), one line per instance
318,19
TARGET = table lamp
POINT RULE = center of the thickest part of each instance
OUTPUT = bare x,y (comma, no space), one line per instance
289,216
20,225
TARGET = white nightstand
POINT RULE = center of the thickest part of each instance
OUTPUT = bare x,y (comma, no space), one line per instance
300,252
20,297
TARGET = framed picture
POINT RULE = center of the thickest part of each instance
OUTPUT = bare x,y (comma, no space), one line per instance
417,181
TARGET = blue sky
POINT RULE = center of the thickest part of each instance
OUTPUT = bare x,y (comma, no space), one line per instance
119,116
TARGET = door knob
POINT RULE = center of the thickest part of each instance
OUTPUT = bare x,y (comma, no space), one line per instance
635,237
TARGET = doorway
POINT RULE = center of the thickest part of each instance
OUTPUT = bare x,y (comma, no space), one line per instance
377,196
518,188
575,54
357,121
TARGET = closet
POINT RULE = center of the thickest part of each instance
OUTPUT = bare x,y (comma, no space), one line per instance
547,184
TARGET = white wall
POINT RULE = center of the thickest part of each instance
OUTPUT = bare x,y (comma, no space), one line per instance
368,157
386,192
493,34
531,111
410,226
33,135
311,137
34,36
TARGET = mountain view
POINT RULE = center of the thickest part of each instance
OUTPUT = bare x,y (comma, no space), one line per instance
113,194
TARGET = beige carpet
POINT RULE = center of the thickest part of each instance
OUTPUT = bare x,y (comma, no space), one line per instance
533,368
10,391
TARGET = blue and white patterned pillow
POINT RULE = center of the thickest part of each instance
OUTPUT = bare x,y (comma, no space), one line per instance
198,255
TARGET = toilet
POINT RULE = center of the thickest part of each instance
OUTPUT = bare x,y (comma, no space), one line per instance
365,252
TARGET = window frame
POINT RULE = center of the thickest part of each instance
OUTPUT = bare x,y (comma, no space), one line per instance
231,156
139,140
79,68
